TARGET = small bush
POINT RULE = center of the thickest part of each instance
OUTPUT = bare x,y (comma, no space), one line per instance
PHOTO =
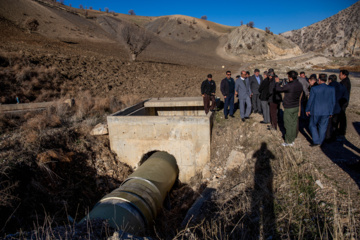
250,24
131,12
204,17
32,24
248,45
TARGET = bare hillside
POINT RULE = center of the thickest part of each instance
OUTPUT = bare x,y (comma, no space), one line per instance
338,35
256,43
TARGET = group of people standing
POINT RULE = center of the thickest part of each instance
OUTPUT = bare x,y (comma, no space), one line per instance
319,102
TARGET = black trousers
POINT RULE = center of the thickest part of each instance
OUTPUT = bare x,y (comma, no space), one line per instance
256,103
342,122
332,128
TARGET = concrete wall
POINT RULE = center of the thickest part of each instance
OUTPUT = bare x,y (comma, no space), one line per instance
24,106
184,136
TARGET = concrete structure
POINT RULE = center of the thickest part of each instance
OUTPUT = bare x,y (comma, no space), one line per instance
24,106
178,126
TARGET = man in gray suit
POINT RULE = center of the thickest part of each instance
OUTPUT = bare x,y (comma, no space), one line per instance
242,89
255,81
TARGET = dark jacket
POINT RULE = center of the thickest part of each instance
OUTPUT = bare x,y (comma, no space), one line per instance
346,82
254,85
292,92
341,96
227,88
208,87
264,90
274,96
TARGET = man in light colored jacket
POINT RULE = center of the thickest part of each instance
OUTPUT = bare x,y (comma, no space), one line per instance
242,89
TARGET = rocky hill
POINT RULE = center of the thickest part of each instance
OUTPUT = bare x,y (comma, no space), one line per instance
338,35
255,43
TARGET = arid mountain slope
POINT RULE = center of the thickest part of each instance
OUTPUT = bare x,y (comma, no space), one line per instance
255,43
338,35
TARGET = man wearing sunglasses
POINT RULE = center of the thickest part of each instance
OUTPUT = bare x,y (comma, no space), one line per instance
227,88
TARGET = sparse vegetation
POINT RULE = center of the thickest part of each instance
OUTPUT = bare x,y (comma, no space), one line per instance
32,24
250,24
136,40
204,17
131,12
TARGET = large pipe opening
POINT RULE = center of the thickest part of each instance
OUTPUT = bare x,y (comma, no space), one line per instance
134,206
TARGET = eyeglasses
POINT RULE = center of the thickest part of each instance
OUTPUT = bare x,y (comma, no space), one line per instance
229,74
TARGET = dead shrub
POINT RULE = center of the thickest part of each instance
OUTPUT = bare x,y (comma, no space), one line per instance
129,100
36,123
84,104
54,121
6,195
30,137
102,105
32,24
23,74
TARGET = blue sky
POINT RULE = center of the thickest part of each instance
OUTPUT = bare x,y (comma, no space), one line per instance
280,16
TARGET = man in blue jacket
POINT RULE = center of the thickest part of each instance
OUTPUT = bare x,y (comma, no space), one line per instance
320,108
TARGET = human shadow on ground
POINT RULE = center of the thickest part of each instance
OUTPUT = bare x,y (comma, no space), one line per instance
357,127
346,155
262,201
303,127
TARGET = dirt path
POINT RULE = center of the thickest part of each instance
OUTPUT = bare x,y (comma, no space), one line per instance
339,161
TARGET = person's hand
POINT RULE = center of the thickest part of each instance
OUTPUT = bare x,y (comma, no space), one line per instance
307,113
224,97
203,95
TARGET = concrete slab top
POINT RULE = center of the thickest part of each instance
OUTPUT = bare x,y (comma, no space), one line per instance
175,102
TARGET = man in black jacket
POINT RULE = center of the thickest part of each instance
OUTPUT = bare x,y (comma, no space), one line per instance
208,89
227,88
291,104
264,97
344,77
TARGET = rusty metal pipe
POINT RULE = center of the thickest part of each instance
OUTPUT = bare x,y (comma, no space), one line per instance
135,204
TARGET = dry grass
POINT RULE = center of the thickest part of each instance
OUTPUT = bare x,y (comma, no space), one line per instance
272,198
